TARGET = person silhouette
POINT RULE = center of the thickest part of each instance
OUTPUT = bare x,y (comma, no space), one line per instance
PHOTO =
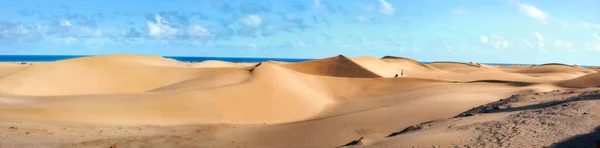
396,75
401,73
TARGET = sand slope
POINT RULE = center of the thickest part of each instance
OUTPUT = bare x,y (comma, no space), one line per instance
590,80
553,119
377,66
279,97
555,68
339,66
98,75
409,64
217,64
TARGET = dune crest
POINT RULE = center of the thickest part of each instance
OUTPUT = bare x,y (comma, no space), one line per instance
339,66
409,64
590,80
218,64
377,66
554,68
99,75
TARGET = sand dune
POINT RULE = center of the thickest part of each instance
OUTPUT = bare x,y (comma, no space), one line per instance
409,64
318,103
10,68
279,97
458,66
339,66
590,80
555,68
377,66
217,64
553,119
97,75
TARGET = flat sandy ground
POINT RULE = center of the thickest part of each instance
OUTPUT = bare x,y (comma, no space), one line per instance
149,101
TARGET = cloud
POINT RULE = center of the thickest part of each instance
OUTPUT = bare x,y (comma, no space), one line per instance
596,36
317,3
8,29
584,25
65,23
528,44
198,31
533,12
460,11
559,44
160,28
590,25
252,20
539,36
593,47
386,8
131,33
540,42
64,40
483,39
495,41
498,42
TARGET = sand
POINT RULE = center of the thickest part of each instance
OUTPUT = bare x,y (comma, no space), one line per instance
150,101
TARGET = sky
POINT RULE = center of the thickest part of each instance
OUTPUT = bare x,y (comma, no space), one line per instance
488,31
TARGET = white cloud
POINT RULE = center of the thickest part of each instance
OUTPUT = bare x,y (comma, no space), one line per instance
543,50
585,25
65,23
362,18
533,12
528,44
596,36
593,47
64,40
386,8
16,30
252,20
498,42
317,3
540,42
198,31
97,42
588,25
483,39
563,45
160,28
539,36
460,11
85,31
252,45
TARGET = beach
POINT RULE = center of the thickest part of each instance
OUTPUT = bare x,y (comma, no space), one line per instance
126,100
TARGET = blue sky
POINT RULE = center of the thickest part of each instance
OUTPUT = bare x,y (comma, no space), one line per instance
501,31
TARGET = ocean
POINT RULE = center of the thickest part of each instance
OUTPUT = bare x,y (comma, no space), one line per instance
51,58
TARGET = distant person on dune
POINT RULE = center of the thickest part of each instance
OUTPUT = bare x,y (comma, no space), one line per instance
402,73
396,75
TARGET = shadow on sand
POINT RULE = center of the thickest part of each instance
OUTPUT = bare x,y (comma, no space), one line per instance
583,141
494,107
